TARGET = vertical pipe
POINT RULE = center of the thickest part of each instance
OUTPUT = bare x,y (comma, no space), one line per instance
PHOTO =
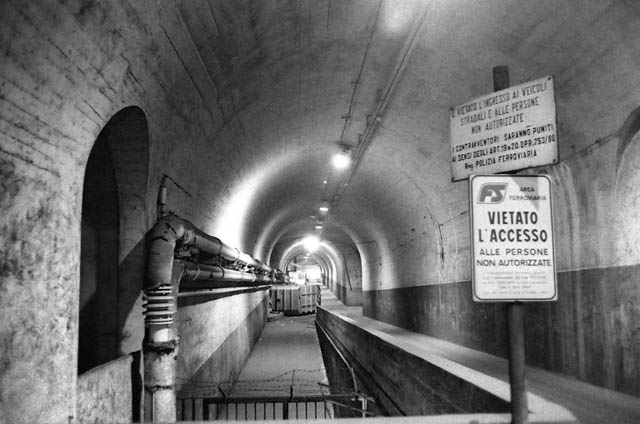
515,316
160,348
160,351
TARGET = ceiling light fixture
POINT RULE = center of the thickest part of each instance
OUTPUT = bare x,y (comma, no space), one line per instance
324,207
341,160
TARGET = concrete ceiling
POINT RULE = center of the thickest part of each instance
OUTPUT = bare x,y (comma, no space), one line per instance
293,79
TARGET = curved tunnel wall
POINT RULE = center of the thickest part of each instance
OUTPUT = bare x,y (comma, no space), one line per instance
589,331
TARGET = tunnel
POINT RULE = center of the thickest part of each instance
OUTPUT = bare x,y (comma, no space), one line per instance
164,165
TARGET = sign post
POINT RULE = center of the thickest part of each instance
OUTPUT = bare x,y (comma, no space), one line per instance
511,222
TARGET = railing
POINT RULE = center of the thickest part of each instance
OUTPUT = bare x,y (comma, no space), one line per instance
272,407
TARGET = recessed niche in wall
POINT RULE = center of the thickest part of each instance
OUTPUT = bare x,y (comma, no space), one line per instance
112,254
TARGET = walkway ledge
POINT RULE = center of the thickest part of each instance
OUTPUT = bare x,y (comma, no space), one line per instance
427,378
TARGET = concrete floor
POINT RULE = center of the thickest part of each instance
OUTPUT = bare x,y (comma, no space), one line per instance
286,356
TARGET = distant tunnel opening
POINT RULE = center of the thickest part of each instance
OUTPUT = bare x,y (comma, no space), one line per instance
304,269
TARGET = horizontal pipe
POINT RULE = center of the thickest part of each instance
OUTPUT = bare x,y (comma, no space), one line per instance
220,289
215,246
200,272
171,231
212,284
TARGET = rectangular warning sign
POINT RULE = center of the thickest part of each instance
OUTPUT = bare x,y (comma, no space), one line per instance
512,238
510,129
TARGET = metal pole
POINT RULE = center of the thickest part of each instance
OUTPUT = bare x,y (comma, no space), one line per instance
519,407
501,78
515,316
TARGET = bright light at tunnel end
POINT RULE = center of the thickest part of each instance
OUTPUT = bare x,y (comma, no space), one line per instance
311,243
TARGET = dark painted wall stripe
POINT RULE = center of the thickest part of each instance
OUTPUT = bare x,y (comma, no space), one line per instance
589,333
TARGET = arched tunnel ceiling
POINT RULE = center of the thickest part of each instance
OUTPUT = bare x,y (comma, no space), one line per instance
295,78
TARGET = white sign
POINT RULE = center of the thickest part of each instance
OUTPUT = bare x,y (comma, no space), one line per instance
512,238
507,130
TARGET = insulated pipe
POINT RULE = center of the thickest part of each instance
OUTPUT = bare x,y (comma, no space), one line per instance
163,239
171,231
233,254
215,246
200,272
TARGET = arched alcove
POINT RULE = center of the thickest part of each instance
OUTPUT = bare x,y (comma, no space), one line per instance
98,260
114,223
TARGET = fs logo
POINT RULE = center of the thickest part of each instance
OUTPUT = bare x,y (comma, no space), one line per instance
492,192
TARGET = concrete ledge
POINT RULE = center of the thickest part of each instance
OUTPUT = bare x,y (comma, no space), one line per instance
409,363
105,393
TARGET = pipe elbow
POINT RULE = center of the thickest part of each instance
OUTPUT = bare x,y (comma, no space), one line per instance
163,238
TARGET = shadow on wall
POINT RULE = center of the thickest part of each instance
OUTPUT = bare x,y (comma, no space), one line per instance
97,341
113,244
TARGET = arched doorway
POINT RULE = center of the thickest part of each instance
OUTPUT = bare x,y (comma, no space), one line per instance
112,254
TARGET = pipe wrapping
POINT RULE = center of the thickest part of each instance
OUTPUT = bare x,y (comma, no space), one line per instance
163,239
